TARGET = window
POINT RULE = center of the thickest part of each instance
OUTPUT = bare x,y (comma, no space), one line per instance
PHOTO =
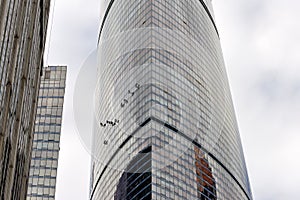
47,74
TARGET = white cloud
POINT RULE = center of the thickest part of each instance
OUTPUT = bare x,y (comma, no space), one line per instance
260,41
74,35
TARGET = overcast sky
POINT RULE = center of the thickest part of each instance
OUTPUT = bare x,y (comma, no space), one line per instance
260,42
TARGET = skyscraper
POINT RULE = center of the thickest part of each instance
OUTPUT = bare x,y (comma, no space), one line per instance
23,26
45,150
165,126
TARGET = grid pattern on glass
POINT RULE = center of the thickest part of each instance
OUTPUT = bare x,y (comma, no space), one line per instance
44,161
23,26
135,182
206,183
172,50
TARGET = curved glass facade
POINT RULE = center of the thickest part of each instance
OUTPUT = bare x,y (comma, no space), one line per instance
162,85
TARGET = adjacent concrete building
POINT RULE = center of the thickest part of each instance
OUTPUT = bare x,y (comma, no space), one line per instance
44,161
23,27
165,123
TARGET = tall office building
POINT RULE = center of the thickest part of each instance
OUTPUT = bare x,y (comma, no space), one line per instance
23,26
165,123
43,168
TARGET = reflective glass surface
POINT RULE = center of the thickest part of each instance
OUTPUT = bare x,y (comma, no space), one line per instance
163,84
